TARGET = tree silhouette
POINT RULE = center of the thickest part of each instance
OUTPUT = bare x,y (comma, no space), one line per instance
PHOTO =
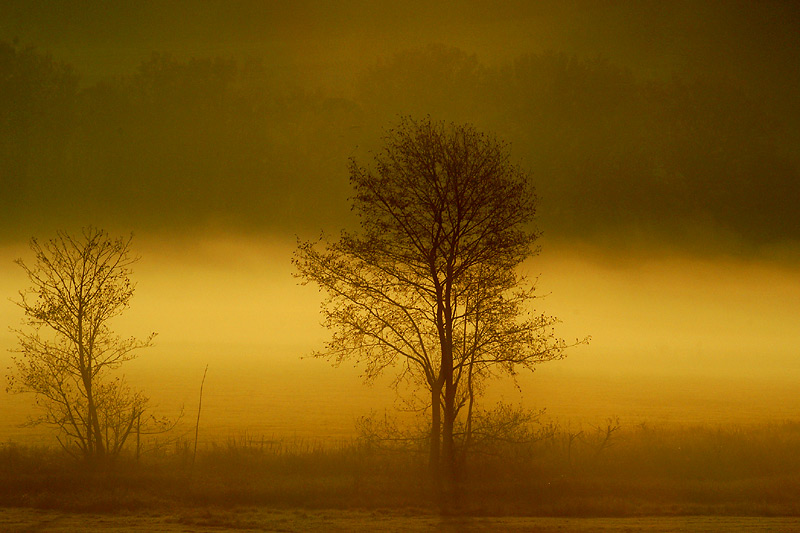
67,349
37,123
431,282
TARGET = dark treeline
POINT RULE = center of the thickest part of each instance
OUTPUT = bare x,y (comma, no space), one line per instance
616,157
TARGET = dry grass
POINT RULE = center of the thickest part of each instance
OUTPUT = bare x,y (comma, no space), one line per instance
734,471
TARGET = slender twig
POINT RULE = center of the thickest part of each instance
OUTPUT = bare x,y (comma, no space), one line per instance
199,407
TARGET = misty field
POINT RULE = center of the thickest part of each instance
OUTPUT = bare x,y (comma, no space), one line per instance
600,479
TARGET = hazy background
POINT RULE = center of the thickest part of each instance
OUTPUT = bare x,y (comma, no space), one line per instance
663,138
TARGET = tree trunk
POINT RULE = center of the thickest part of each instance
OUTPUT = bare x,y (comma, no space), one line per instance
448,444
85,361
470,404
94,421
448,421
436,431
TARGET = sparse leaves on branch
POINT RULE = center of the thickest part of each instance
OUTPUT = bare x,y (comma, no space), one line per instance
67,349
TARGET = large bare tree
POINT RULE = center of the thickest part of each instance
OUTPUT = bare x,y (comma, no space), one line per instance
431,282
67,350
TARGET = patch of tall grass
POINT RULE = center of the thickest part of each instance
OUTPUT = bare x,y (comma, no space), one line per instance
610,470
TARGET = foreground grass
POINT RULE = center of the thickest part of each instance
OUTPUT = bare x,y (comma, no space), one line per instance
733,471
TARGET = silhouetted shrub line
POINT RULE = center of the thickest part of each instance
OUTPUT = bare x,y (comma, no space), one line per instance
751,471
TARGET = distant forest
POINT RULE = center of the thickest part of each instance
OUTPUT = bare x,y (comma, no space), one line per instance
616,158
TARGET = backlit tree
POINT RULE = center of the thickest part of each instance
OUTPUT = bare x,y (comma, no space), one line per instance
431,283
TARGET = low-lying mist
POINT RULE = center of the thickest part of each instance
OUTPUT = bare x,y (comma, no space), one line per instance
676,341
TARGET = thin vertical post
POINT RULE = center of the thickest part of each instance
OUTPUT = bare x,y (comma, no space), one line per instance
138,433
199,407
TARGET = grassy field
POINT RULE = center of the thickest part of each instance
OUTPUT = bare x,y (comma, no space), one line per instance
605,472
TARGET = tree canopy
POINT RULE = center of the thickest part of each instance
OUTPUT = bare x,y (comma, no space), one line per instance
245,143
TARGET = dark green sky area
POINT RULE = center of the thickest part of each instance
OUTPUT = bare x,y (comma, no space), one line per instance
657,124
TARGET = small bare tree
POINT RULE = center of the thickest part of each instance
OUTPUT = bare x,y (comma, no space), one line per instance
67,348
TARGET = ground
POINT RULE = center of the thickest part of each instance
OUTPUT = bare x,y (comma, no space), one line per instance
292,520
